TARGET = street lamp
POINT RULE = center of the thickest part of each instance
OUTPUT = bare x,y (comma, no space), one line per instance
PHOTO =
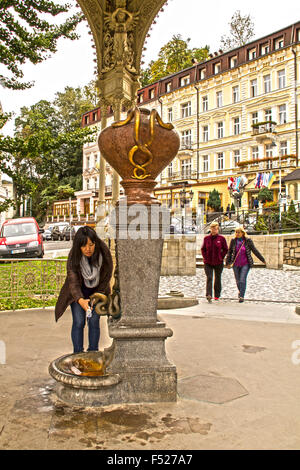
185,197
274,145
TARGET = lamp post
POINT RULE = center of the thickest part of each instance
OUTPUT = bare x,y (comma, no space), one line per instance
185,197
274,145
237,197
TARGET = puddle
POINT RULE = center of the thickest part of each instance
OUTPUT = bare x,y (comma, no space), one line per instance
252,349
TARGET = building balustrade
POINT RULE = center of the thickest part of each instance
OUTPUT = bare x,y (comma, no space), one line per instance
269,163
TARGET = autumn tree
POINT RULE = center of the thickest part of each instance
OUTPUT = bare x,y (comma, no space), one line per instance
26,35
241,31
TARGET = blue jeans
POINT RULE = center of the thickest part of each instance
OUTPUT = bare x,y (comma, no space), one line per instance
241,273
79,316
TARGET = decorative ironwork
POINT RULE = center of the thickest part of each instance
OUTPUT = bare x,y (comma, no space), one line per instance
23,281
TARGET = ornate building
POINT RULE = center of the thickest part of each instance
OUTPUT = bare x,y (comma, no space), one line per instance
236,114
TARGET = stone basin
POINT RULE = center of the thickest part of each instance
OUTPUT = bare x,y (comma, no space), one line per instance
78,389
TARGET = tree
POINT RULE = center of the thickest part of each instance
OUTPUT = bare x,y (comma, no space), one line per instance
173,57
45,151
214,200
241,31
25,34
265,195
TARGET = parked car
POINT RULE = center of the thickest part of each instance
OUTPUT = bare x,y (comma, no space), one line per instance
47,234
228,227
68,230
21,238
56,233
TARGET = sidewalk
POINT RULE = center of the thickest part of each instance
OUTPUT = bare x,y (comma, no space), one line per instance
238,384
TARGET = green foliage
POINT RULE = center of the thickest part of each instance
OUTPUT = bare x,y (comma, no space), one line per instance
26,35
214,200
265,195
261,224
241,31
173,57
46,150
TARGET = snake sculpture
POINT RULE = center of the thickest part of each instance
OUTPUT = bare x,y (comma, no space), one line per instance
106,304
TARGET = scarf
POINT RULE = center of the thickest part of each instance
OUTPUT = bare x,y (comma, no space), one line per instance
90,273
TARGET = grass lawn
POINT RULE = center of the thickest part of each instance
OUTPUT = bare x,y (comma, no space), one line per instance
30,284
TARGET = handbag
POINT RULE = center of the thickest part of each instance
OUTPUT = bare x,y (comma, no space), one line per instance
229,266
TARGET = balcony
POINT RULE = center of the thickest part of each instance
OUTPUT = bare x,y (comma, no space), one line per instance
185,148
263,132
269,163
182,176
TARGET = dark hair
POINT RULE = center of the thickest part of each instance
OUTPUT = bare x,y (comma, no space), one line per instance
81,238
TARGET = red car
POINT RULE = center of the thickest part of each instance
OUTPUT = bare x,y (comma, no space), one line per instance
21,238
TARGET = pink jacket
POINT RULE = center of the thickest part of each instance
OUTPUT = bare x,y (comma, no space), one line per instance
214,249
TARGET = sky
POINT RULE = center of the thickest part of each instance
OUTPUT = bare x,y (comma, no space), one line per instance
204,22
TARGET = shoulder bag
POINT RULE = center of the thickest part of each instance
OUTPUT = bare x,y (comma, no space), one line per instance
229,266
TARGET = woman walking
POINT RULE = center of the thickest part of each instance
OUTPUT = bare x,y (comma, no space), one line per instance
239,255
89,270
214,249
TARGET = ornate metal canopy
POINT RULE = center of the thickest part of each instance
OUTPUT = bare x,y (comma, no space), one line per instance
119,29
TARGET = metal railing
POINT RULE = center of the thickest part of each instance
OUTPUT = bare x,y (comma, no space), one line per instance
30,283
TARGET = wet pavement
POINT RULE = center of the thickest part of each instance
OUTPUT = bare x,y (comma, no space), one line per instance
238,384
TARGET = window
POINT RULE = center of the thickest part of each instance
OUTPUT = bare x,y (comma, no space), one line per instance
269,150
151,93
87,164
170,170
205,103
237,157
267,83
220,161
236,126
253,87
186,167
170,114
254,118
186,139
264,49
86,119
279,43
235,94
233,62
186,109
268,117
185,80
217,67
141,98
283,148
95,116
281,78
202,74
219,99
282,114
255,153
168,87
252,53
205,133
205,163
220,130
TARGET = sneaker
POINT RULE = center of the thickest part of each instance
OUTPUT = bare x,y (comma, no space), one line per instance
209,298
217,298
241,299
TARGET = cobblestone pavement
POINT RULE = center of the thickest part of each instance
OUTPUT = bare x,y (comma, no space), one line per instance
263,285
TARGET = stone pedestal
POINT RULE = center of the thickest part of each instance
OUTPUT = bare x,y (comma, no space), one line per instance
139,356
